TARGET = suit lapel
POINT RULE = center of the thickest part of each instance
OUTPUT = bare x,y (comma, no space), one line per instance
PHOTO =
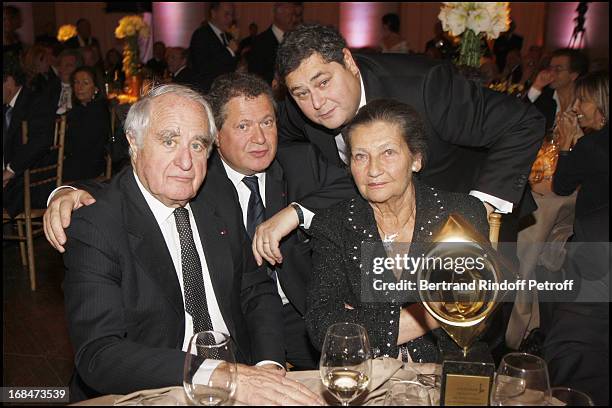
213,234
148,244
276,190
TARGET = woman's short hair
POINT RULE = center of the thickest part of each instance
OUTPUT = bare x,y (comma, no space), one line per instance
595,86
404,116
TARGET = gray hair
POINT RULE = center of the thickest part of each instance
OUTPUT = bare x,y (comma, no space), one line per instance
138,117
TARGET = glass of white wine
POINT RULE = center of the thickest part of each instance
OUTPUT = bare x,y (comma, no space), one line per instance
209,376
346,361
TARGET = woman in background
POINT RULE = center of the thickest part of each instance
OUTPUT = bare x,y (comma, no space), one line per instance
87,128
392,42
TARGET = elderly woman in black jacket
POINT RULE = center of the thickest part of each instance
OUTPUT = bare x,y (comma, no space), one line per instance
87,128
386,142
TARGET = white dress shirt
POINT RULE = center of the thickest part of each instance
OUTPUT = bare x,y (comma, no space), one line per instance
165,219
218,32
278,33
64,103
244,194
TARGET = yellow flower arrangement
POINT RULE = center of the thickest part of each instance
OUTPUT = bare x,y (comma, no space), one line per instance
66,32
130,26
129,29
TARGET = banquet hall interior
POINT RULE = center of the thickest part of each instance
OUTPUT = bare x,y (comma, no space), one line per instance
106,53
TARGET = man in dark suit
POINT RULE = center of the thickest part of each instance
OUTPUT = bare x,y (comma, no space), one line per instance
150,264
245,167
212,50
177,65
247,146
83,37
505,43
40,113
158,63
263,53
553,89
327,87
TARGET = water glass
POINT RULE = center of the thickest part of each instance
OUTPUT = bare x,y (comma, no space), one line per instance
521,379
571,397
209,376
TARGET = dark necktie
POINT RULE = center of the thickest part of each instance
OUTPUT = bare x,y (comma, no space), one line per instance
255,209
193,281
8,115
224,39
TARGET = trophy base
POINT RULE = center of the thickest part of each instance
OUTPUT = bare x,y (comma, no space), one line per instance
467,378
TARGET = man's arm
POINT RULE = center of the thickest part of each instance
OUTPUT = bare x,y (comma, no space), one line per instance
463,113
262,309
61,204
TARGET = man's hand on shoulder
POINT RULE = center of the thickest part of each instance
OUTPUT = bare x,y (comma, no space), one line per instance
58,214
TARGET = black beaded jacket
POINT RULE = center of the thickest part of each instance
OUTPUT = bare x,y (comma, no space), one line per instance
339,233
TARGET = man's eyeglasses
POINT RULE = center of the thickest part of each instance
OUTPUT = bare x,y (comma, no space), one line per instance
558,68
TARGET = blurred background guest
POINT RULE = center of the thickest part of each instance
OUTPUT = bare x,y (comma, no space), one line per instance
586,165
92,59
83,37
392,41
37,67
577,345
87,127
505,43
263,52
212,50
158,64
113,69
552,91
178,68
441,46
48,36
245,45
11,22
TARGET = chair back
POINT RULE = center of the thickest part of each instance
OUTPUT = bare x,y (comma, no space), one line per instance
56,177
494,227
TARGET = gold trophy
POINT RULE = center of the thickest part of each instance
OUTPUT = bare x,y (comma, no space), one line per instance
455,298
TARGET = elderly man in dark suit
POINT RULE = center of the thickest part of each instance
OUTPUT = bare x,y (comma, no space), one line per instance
263,52
248,176
212,50
151,263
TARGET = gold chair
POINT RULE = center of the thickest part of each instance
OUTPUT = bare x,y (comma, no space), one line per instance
29,223
494,227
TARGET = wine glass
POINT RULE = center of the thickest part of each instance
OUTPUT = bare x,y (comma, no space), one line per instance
571,397
407,393
209,376
521,379
346,361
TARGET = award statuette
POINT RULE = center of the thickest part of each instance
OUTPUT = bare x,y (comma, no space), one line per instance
455,299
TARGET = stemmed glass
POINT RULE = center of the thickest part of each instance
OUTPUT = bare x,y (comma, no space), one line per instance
209,376
346,361
521,379
571,397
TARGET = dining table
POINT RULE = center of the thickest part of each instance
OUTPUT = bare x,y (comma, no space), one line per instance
385,372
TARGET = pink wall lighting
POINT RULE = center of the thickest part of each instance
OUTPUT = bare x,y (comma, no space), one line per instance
360,22
174,23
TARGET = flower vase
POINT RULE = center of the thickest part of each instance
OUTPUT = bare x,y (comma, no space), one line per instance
469,52
134,85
